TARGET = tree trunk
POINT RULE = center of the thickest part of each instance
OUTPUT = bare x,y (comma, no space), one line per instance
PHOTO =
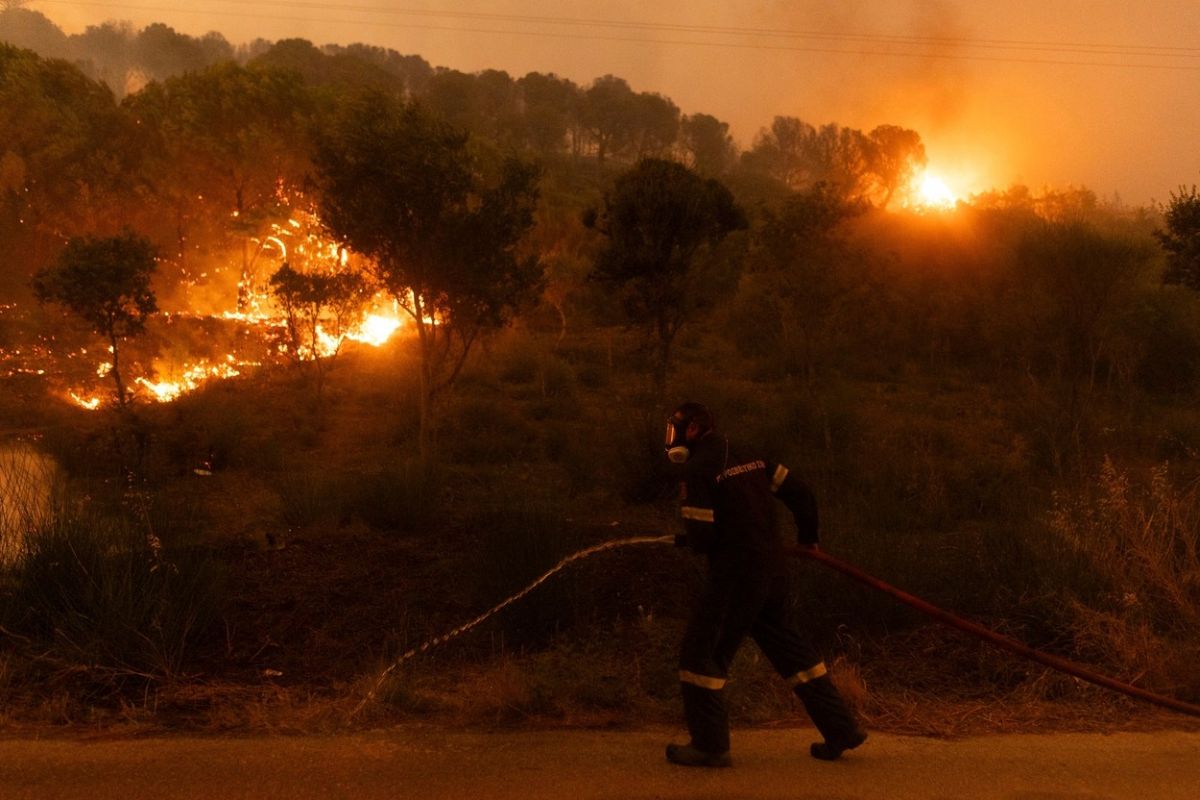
116,370
424,387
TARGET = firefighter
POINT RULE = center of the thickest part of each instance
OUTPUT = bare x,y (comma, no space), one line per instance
728,507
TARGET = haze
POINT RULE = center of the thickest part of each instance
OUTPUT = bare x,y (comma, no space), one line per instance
1101,94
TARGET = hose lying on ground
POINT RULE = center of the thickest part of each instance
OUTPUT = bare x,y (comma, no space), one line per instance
990,636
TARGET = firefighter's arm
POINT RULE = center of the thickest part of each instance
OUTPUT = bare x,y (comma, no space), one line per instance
697,514
799,499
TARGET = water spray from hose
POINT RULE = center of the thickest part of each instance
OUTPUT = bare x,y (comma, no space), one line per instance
466,626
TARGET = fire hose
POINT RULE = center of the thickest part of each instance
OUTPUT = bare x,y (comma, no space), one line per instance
851,571
990,636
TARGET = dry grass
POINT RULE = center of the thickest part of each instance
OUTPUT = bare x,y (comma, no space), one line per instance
1141,540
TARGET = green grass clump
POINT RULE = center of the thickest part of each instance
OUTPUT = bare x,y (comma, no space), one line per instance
110,596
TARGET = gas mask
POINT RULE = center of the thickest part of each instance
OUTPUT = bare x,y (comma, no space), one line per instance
676,439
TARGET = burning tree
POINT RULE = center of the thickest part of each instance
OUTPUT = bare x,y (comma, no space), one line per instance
106,283
319,309
400,187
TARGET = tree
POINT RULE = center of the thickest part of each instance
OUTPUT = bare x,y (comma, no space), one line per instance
847,161
106,49
1078,279
319,309
1181,239
607,114
162,52
654,124
399,186
894,157
707,145
659,218
547,100
32,30
106,283
779,151
803,278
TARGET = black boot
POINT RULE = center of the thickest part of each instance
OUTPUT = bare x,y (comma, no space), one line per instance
833,719
707,718
832,751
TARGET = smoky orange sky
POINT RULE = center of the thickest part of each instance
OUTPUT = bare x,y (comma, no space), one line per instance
1048,93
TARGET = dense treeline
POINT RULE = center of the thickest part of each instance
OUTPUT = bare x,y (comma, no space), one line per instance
172,135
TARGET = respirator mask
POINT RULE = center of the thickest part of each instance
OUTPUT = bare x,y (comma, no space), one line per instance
676,439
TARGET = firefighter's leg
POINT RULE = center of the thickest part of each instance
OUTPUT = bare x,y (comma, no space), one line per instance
799,663
701,679
719,623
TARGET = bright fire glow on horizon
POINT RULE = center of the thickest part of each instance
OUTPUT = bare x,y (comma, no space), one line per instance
934,193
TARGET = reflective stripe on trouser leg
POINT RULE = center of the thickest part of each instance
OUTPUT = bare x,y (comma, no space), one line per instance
703,681
827,709
806,675
707,718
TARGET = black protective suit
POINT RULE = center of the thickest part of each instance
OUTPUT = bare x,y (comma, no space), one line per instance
729,512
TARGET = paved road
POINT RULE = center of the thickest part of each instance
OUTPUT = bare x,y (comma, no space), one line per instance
431,764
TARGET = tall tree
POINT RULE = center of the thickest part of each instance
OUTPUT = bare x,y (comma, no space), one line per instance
780,151
658,219
802,279
162,52
106,283
32,30
399,186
